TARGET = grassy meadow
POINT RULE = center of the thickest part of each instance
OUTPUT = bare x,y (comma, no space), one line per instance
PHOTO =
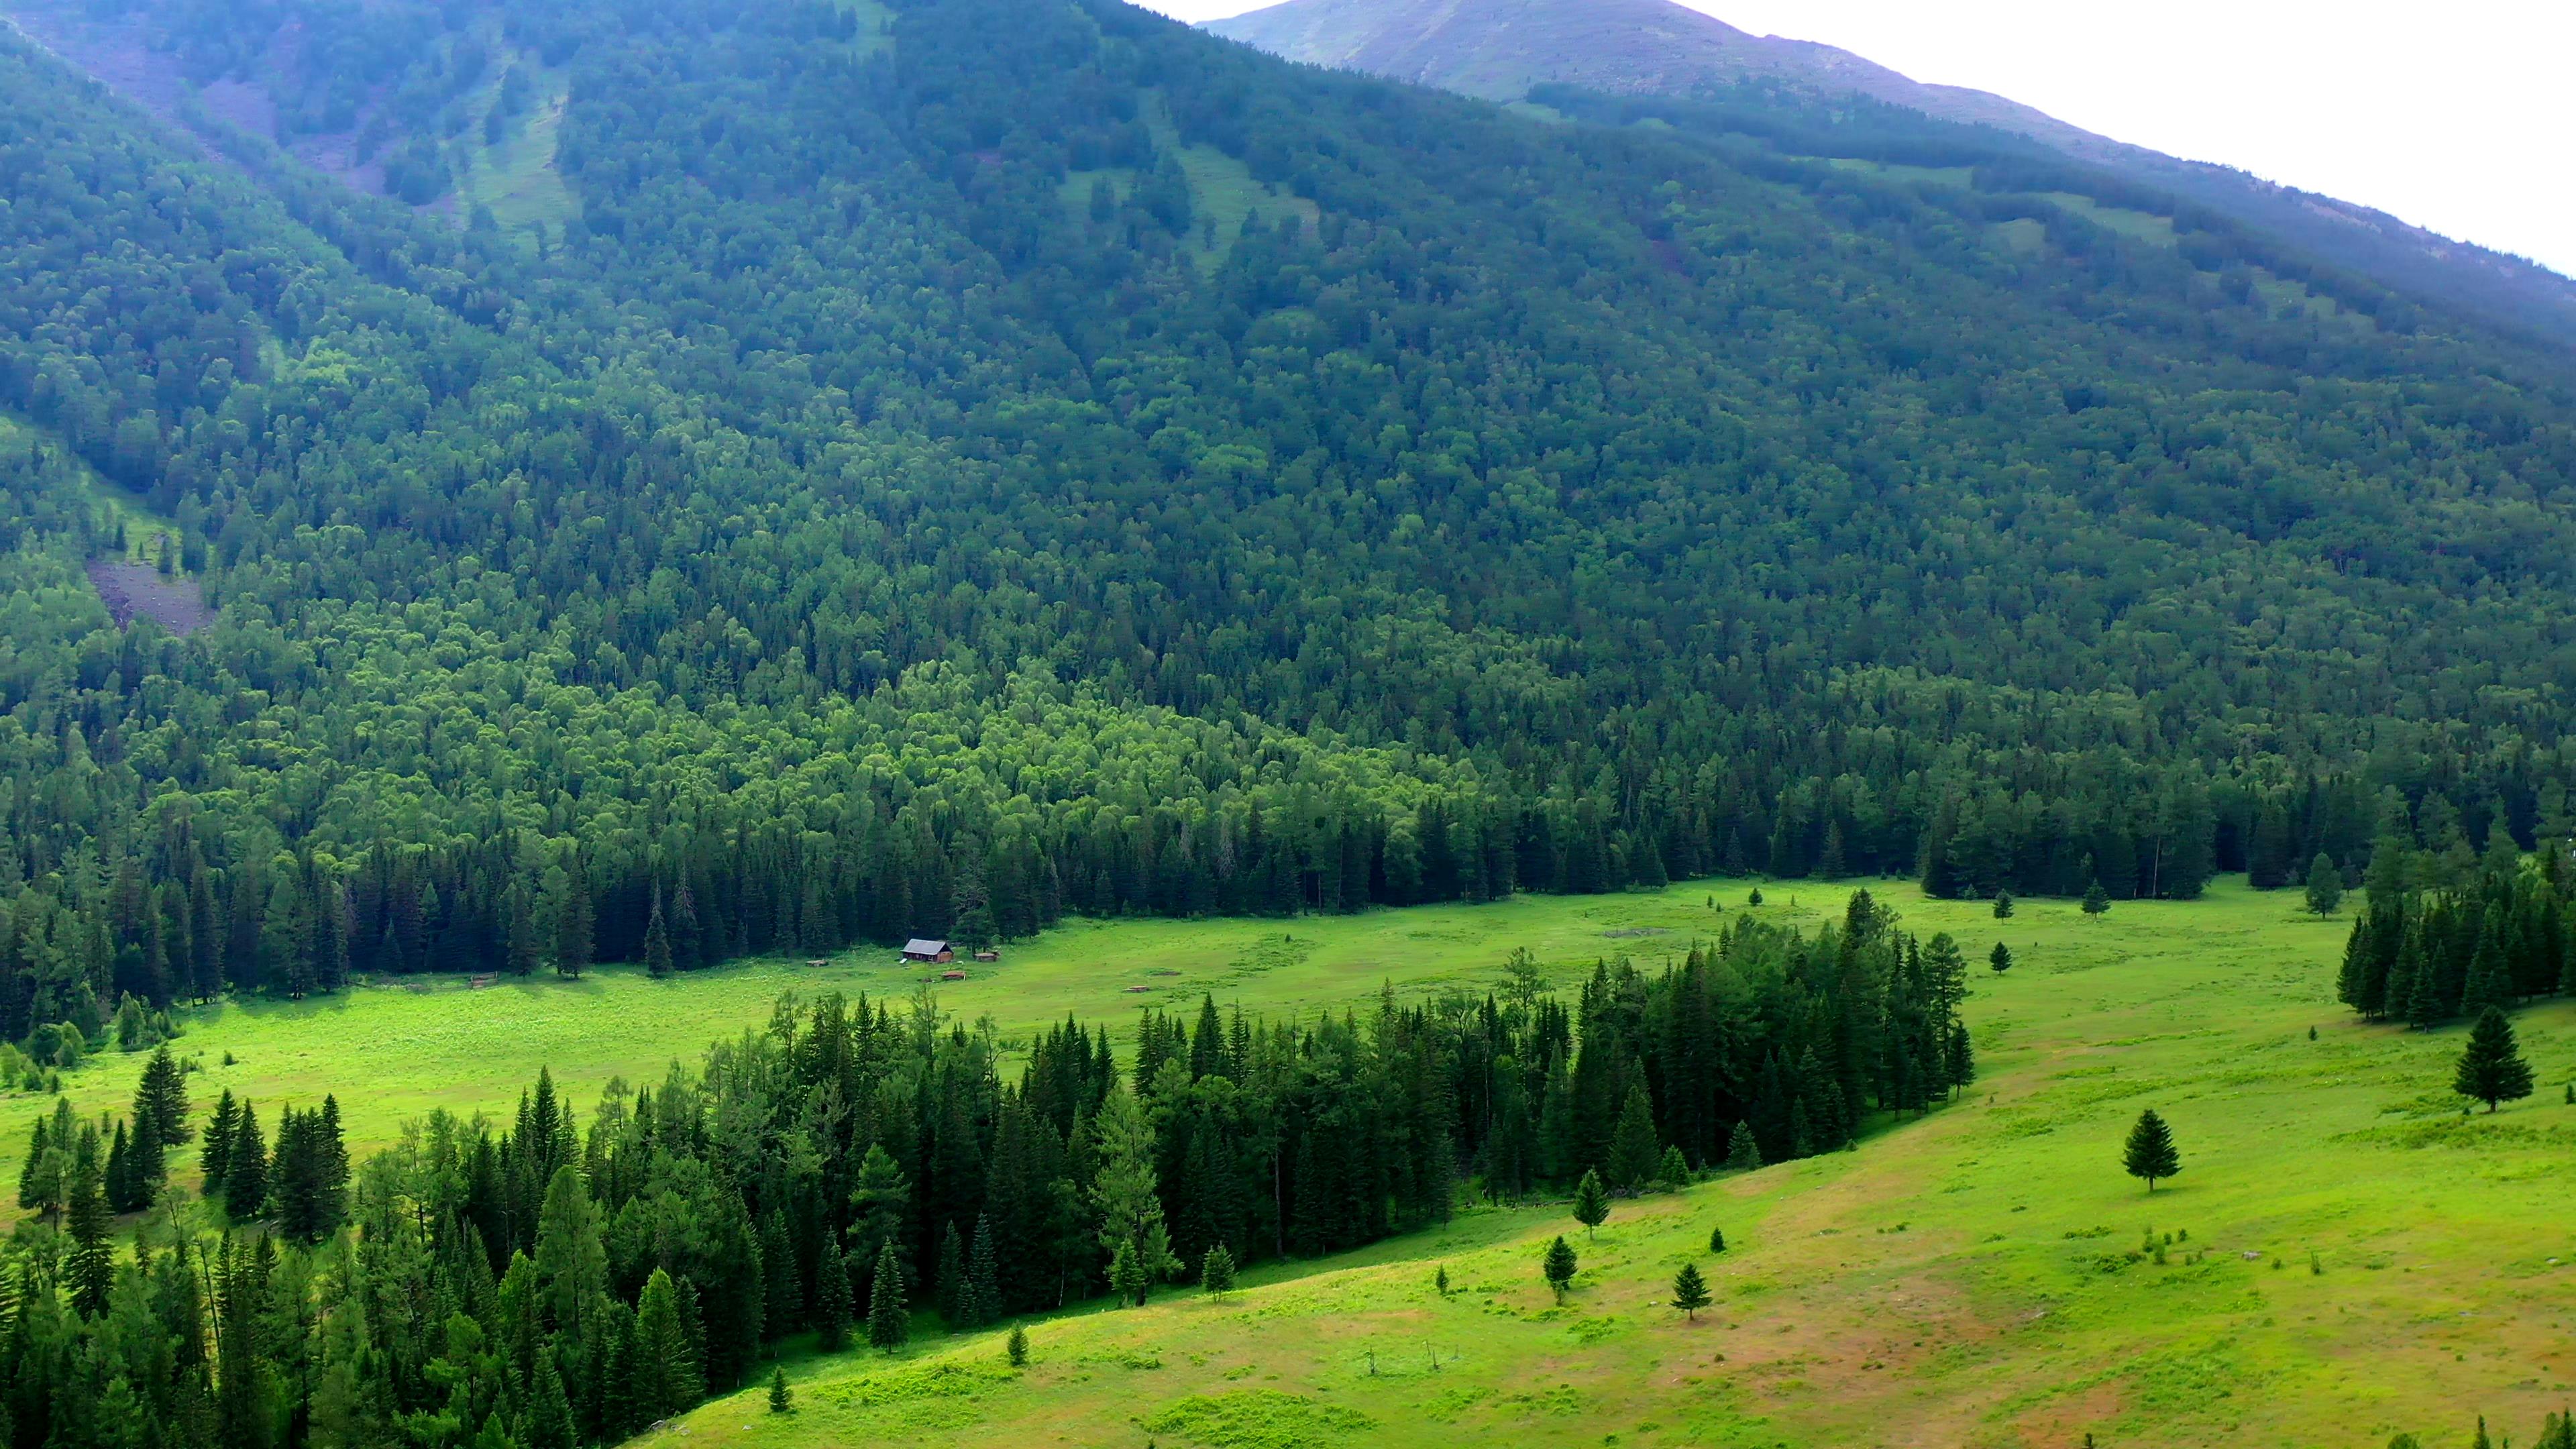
2349,1256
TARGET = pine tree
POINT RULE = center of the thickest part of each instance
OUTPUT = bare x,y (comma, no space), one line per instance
1440,1280
1633,1148
1017,1349
832,1305
952,1278
119,1182
1690,1291
90,1270
781,1399
2491,1067
782,1304
2150,1151
1216,1273
667,1376
983,1277
1591,1202
2000,958
246,1169
40,1176
1123,1191
1674,1170
161,1102
889,1323
1559,1266
1743,1154
2096,899
657,940
2003,905
550,1421
2325,885
221,1129
2490,977
1717,1240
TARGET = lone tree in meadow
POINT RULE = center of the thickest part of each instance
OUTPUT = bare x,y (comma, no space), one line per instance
2003,905
782,1399
2150,1152
2491,1066
1717,1240
1690,1291
1216,1273
2000,958
2096,899
1558,1265
1591,1202
2325,885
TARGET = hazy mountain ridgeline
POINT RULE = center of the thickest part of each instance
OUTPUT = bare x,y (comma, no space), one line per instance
1504,49
929,469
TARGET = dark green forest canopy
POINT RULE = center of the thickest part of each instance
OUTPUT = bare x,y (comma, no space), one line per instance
891,502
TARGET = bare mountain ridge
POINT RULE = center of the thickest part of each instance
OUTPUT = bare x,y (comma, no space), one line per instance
1499,49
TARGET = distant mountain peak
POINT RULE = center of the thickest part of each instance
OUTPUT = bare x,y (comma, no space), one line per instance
1500,49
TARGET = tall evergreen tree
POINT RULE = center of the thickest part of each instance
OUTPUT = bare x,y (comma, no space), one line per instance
1123,1192
2150,1152
832,1305
1633,1148
1743,1154
1558,1265
90,1269
1690,1291
1591,1202
1216,1272
2491,1067
889,1322
246,1169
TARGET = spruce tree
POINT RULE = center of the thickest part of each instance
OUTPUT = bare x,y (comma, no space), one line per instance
40,1176
2325,885
221,1129
2490,977
1743,1154
2000,958
1690,1291
1216,1273
1559,1267
246,1169
1674,1170
952,1278
1017,1348
1633,1148
2491,1067
2003,905
832,1306
657,940
90,1270
2150,1152
983,1277
889,1322
1124,1191
119,1177
781,1399
161,1102
665,1370
1717,1240
2096,899
1591,1202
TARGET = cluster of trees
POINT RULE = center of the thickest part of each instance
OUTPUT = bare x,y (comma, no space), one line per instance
856,524
2500,937
855,1166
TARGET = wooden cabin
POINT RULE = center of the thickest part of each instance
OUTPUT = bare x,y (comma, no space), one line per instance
920,950
988,955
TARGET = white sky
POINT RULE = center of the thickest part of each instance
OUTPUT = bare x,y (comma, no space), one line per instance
2459,117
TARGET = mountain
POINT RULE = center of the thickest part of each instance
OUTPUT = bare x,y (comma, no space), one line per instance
806,474
1501,50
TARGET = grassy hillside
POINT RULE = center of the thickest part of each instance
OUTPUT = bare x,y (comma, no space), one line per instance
2349,1256
1969,1279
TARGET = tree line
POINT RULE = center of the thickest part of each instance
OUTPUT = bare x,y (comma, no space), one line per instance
860,1168
1007,554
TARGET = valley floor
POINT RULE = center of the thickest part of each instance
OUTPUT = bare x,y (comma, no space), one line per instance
2350,1256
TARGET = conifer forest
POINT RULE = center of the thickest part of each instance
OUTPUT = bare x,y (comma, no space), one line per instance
535,490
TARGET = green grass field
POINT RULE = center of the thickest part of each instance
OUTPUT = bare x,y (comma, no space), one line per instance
1973,1278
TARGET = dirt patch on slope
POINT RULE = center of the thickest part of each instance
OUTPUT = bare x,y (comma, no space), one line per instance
175,602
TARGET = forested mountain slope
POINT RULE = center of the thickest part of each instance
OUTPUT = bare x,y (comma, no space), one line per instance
1504,49
939,467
